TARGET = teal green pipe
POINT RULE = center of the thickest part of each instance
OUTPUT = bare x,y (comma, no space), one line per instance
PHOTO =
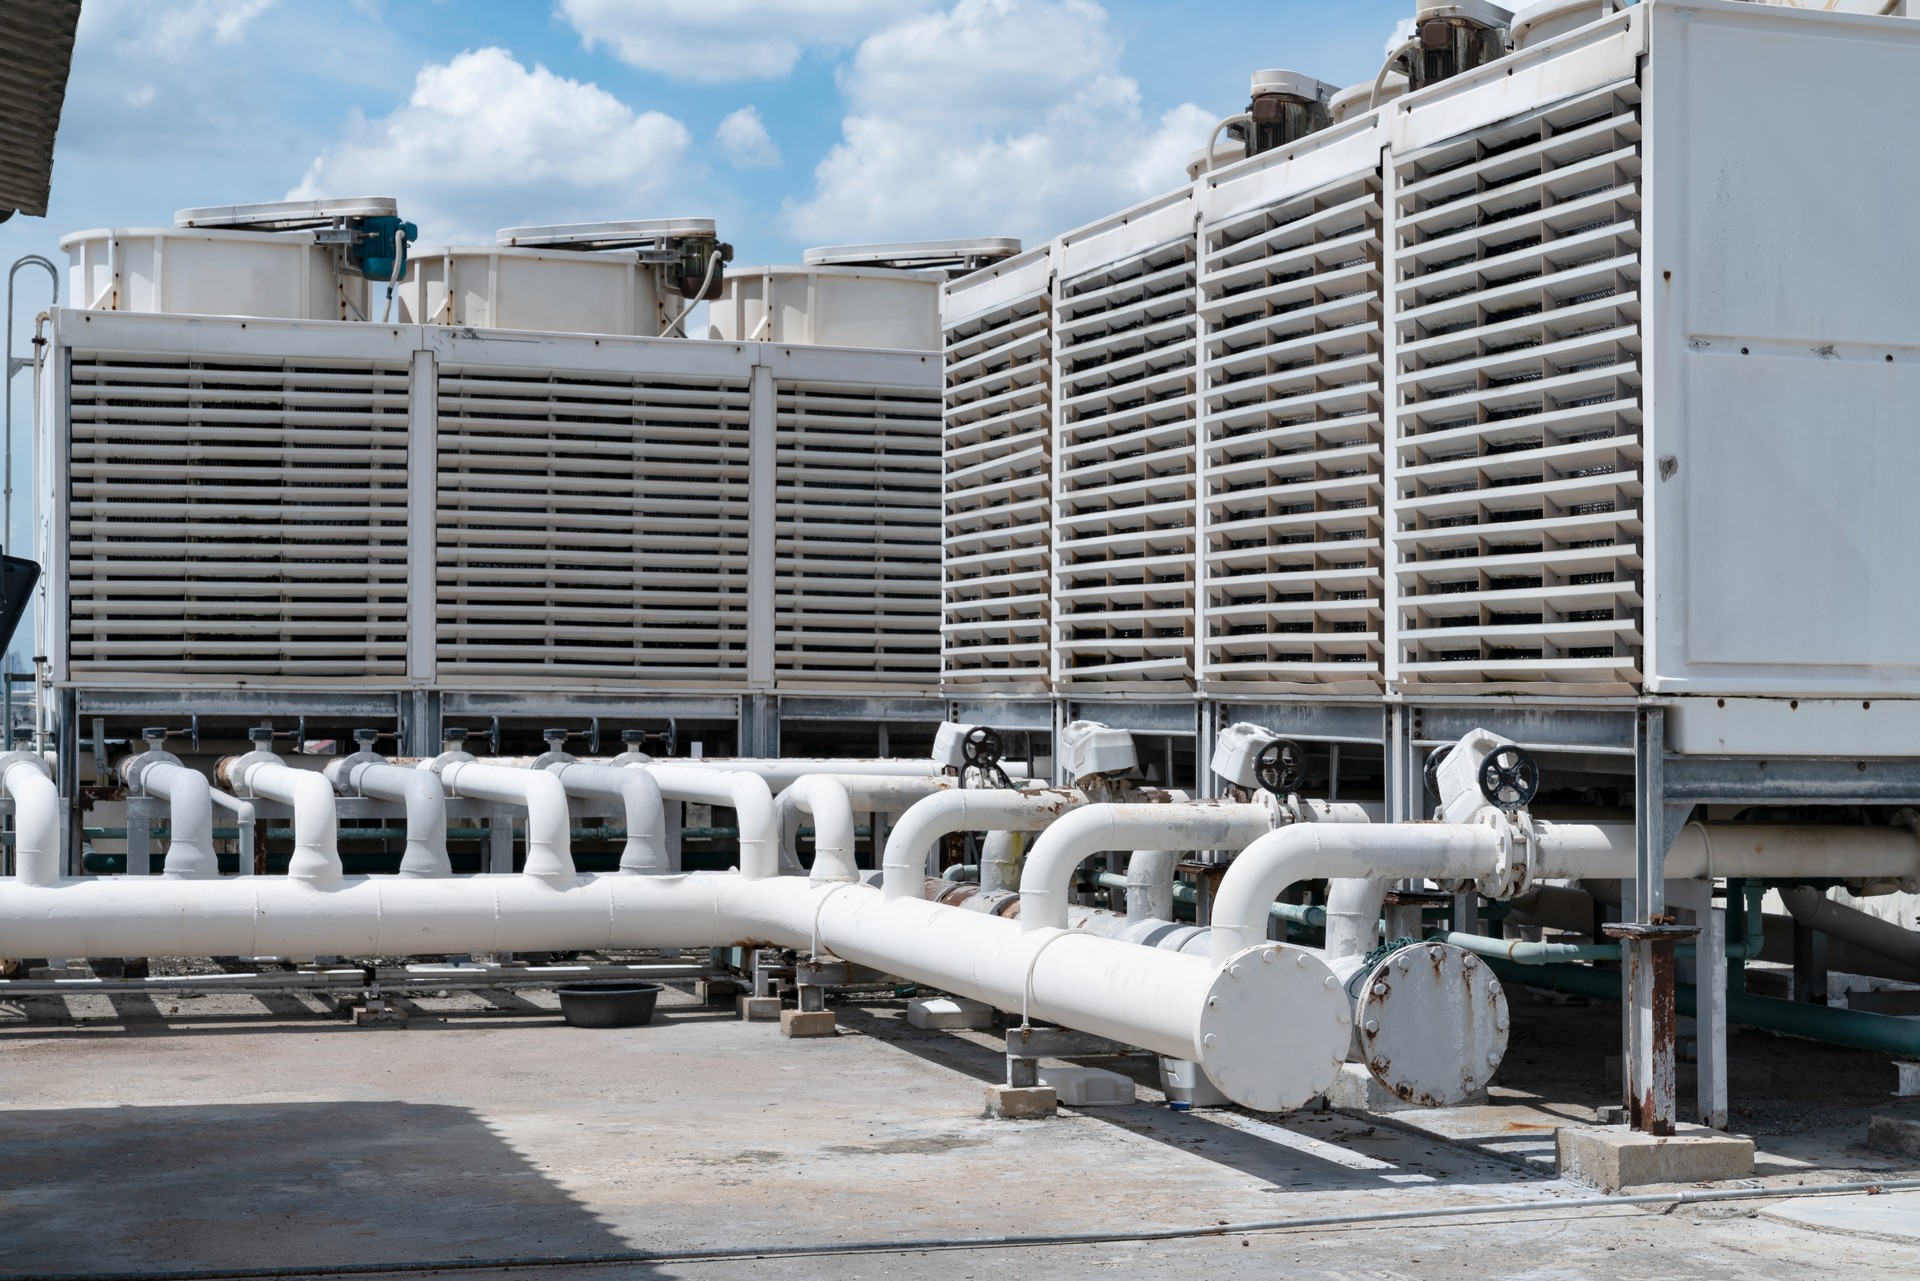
1185,895
1524,953
1856,1029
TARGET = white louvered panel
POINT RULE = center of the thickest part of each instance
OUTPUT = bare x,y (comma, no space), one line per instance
857,535
1124,510
238,519
1291,345
1516,436
998,479
592,527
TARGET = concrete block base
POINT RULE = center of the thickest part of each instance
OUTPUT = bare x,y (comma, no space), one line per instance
1021,1103
758,1009
1088,1087
947,1013
1894,1135
801,1024
1358,1090
384,1015
715,991
1908,1081
1619,1158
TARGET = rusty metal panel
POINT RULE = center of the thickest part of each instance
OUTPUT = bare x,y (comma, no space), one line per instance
36,49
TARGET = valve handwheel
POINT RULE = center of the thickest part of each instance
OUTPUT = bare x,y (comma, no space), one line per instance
1279,766
1435,759
1509,776
981,747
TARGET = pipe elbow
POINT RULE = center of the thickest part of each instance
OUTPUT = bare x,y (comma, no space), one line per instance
753,811
36,818
1048,874
189,797
425,797
316,826
645,852
549,827
833,836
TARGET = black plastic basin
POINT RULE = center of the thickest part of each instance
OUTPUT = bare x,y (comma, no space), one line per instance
614,1003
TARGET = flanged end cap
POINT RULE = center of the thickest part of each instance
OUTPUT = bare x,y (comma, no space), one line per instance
1275,1028
1433,1023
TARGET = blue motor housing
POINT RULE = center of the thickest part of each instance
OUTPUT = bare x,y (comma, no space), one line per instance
380,239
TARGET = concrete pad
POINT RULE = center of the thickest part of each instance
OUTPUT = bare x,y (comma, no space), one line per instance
758,1009
801,1024
1021,1102
1889,1216
1894,1135
1909,1080
1088,1087
949,1013
1620,1158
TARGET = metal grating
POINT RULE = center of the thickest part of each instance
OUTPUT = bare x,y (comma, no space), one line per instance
998,479
1124,466
591,527
1516,428
241,517
857,535
1291,360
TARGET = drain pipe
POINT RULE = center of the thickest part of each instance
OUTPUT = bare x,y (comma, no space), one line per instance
189,800
743,791
243,815
421,791
316,822
904,863
638,791
832,801
25,779
1047,879
549,827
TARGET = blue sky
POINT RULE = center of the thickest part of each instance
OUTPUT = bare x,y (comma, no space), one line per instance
796,123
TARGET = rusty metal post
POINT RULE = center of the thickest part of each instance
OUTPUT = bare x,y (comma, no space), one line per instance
1647,954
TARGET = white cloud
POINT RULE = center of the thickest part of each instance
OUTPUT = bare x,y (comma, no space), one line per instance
743,139
485,142
172,29
721,40
996,117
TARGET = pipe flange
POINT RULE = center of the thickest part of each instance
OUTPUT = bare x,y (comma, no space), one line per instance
1275,1028
233,771
1512,873
134,768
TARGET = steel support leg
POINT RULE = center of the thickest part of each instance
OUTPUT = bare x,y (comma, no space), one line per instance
1647,938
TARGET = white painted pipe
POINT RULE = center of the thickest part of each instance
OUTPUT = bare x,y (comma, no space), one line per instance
424,796
25,779
1000,858
1047,879
645,853
780,773
745,792
904,864
549,826
1353,916
1730,849
833,801
1270,1025
1308,851
1814,910
316,822
243,814
189,800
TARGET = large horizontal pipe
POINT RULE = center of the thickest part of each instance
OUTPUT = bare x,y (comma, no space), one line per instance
1270,1025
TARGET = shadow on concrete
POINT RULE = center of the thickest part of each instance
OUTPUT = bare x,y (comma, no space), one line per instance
1318,1152
295,1185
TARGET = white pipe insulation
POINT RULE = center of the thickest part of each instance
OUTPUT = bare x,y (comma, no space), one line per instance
1047,879
638,791
316,822
28,783
1269,1025
744,791
424,796
904,864
832,801
549,825
779,773
189,800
